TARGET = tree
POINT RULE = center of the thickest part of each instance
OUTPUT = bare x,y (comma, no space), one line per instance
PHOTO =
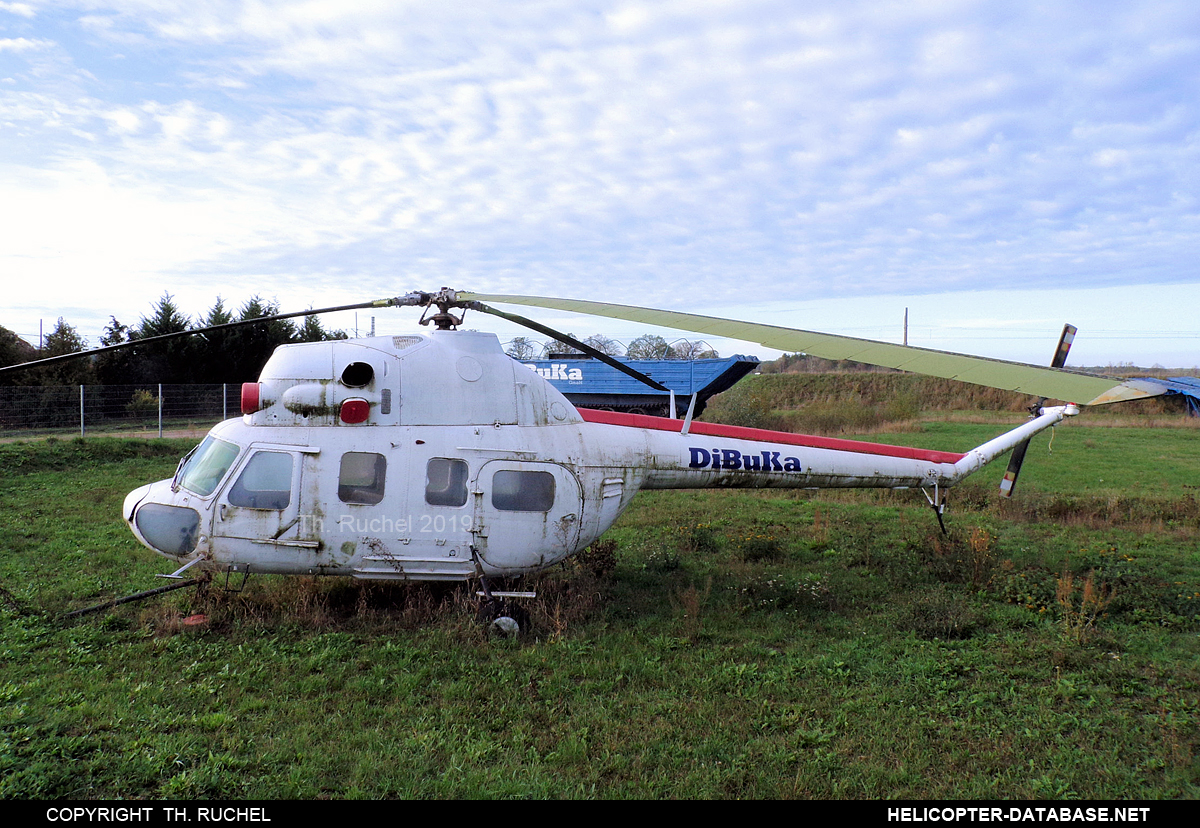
13,351
254,344
692,350
648,346
522,348
115,367
64,339
313,331
557,347
166,319
603,344
170,361
214,350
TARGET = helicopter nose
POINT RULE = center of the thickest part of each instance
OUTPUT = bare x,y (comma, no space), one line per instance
171,530
132,500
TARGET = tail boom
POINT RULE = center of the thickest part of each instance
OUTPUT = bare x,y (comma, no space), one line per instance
717,456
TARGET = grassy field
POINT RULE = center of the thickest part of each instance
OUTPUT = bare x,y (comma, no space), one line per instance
720,644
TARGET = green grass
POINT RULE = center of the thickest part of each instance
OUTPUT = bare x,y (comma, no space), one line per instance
746,644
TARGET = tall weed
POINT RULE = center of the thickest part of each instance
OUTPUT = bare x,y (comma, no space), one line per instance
1081,607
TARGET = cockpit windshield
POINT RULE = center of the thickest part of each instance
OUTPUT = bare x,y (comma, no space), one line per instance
204,468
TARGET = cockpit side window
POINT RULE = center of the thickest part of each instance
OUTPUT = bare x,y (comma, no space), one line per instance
207,466
446,482
361,477
265,483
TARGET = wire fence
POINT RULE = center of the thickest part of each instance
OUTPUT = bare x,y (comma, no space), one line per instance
84,409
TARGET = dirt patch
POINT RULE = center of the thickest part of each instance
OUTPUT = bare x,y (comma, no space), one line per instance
148,434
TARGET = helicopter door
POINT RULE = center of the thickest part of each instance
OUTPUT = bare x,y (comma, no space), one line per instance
526,514
262,519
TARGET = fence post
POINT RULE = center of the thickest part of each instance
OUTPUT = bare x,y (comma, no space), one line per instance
81,425
160,411
224,404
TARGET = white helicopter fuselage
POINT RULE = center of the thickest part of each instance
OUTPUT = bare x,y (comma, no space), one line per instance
439,457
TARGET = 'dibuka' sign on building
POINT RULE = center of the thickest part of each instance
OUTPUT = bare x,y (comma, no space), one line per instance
557,371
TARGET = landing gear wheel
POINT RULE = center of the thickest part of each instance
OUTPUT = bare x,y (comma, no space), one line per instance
502,619
504,627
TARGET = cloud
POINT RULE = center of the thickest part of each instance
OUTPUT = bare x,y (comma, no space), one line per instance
19,9
761,147
21,44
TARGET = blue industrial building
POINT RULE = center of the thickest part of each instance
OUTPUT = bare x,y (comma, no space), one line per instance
590,383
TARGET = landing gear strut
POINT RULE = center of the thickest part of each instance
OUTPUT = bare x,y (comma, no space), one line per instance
938,503
501,615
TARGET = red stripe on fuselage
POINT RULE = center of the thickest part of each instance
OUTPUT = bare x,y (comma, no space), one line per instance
762,435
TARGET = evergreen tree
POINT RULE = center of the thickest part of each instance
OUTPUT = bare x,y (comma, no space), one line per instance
64,339
170,361
256,343
215,350
166,319
116,367
13,351
313,331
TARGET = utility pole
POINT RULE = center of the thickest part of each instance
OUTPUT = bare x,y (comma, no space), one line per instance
906,326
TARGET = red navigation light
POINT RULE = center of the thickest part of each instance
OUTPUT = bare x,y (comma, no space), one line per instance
251,397
355,410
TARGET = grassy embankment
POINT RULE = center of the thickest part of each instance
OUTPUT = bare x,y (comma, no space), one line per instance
885,402
753,644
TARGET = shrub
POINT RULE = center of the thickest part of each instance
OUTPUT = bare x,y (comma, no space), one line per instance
940,613
700,539
142,403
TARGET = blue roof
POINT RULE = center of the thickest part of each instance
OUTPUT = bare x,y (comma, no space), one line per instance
1189,387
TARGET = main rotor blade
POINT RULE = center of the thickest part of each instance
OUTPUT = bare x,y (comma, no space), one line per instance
570,340
152,340
1058,384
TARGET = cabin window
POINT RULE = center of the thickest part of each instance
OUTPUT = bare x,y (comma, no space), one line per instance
361,477
265,483
206,466
523,491
446,482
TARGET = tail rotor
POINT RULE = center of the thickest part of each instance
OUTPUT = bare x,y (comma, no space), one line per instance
1009,483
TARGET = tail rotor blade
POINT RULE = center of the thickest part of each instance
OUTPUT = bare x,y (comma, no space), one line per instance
1064,346
1009,483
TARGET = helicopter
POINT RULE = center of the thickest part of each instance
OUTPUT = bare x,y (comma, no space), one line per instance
437,457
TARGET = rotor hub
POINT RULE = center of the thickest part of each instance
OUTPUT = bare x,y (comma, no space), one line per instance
443,300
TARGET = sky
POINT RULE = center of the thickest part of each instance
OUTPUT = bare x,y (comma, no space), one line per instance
997,169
